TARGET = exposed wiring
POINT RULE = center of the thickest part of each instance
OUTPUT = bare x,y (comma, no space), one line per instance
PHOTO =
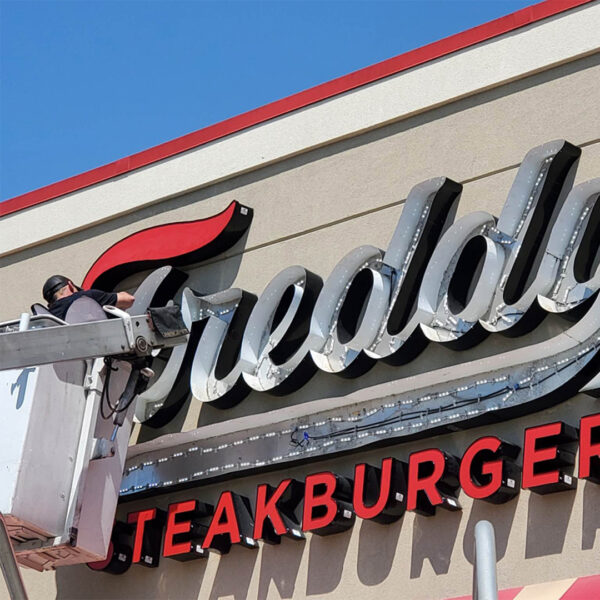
299,443
457,402
302,441
105,397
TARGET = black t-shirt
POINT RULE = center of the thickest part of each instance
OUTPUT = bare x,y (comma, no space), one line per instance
60,307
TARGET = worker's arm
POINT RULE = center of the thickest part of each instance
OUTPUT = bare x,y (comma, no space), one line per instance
124,300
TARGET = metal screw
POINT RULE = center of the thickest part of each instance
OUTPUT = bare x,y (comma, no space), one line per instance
141,344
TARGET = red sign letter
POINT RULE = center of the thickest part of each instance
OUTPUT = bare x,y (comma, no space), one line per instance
371,512
140,518
173,528
532,456
320,501
268,509
589,452
229,525
100,565
550,444
492,467
426,484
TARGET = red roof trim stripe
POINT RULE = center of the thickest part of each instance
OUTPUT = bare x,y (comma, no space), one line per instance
583,588
394,65
508,594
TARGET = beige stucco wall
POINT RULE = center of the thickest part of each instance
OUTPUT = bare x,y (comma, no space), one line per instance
311,209
539,538
356,186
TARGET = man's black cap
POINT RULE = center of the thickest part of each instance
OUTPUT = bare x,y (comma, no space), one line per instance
52,285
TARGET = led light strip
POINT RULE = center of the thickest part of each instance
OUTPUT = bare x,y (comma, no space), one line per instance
378,420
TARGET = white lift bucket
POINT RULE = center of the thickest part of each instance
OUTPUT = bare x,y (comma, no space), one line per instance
60,477
61,459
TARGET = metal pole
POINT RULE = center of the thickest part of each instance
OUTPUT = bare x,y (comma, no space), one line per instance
485,586
24,321
9,565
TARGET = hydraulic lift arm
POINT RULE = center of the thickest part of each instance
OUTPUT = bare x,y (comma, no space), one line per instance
53,398
50,340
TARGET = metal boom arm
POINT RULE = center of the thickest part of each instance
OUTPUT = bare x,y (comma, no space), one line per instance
50,340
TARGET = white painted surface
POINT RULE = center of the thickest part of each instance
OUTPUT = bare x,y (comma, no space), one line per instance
16,395
42,408
509,57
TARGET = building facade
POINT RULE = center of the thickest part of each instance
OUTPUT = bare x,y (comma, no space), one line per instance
321,174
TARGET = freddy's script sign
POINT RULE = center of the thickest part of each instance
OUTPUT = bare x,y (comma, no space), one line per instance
440,280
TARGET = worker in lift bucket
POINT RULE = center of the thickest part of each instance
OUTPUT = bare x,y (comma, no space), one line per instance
60,292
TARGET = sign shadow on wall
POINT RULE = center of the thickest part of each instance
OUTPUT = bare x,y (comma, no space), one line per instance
543,540
376,550
326,562
171,579
234,574
280,565
591,515
434,539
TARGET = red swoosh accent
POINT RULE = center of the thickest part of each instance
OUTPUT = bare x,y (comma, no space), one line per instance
173,244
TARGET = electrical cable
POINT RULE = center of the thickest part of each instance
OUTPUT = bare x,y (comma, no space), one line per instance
458,403
105,390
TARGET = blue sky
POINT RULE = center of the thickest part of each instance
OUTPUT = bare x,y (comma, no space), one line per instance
83,83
